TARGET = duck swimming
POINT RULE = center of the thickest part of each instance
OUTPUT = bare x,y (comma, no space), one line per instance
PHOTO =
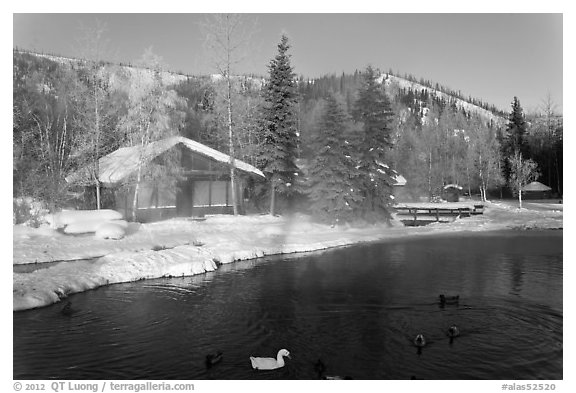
213,358
453,331
320,369
449,299
270,363
67,309
420,341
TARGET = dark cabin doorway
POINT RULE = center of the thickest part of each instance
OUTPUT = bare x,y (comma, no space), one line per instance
185,198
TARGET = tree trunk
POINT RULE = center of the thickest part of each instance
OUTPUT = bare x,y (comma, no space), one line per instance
139,174
231,141
135,200
468,178
98,203
557,174
97,146
430,176
272,198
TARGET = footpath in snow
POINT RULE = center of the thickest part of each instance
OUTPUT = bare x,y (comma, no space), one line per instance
182,247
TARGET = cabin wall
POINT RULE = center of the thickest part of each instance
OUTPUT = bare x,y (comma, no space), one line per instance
536,194
191,198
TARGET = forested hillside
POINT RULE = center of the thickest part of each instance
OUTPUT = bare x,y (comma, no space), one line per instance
68,113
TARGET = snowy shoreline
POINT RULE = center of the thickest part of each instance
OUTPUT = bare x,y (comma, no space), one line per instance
181,247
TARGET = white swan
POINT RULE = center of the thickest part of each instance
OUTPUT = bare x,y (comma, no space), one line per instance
270,363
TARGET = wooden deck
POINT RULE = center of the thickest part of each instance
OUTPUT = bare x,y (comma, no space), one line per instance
434,212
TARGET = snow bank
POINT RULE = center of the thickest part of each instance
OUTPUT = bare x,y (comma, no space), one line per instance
111,230
67,217
92,225
46,286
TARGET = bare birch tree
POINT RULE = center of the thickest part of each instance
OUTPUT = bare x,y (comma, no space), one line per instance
522,172
227,37
44,108
484,155
154,112
92,114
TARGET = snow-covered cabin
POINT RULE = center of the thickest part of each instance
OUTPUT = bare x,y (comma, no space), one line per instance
204,188
451,192
536,190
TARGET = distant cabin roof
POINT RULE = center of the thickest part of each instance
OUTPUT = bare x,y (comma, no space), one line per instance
536,186
119,164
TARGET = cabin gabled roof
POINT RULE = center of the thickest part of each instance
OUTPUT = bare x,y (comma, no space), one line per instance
121,163
536,186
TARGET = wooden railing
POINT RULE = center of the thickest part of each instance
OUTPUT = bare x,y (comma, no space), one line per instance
438,212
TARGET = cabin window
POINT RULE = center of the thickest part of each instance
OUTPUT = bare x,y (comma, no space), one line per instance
220,193
201,193
156,196
211,193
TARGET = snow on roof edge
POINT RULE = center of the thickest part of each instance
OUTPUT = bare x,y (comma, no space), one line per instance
117,165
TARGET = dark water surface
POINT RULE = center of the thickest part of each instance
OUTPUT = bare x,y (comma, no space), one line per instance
357,309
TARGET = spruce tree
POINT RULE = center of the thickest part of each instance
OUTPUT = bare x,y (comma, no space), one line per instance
514,139
516,130
332,183
279,126
373,110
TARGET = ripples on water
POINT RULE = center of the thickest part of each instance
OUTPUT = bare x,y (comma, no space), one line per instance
357,309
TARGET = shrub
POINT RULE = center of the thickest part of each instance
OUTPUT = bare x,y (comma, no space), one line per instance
28,211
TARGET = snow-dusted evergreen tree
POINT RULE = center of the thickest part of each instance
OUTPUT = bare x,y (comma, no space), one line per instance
373,110
516,130
279,126
332,175
514,138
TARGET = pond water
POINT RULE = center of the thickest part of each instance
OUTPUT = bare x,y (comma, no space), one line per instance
357,309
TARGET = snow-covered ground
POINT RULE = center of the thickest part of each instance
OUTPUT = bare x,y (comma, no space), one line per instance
181,246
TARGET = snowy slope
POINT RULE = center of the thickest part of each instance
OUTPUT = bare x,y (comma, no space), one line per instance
168,77
171,78
462,104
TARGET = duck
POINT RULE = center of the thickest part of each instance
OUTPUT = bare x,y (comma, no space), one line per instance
335,377
270,363
320,369
420,341
213,359
453,331
449,299
67,309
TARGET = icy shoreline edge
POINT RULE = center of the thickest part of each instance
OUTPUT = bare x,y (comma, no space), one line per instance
227,241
